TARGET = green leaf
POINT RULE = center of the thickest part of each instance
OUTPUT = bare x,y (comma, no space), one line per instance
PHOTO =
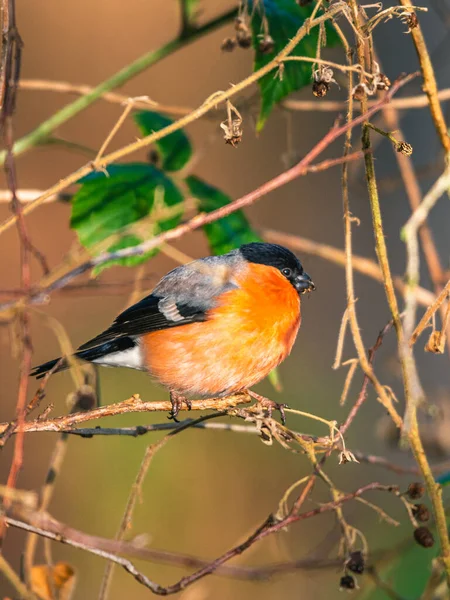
284,18
227,233
175,149
106,204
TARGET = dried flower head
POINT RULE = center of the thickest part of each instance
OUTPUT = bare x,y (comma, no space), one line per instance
404,148
320,89
382,81
356,563
244,39
347,583
415,490
410,19
266,45
421,512
228,44
346,456
360,91
424,537
232,126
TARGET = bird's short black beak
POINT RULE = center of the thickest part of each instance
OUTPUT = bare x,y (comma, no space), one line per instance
303,283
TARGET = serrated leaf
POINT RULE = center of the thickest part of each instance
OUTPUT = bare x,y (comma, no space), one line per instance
227,233
284,18
175,149
107,204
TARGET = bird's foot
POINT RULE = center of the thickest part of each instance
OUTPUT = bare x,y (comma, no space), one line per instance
177,402
270,405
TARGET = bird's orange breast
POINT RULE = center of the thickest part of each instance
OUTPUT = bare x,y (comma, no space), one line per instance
249,333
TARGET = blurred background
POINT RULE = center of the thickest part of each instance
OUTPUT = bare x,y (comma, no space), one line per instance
207,491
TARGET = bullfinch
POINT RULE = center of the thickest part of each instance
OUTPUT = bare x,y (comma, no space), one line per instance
210,328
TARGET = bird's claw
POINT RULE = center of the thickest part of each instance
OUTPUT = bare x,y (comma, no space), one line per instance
270,406
177,402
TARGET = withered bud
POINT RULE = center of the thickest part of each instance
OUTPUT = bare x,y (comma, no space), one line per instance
359,93
228,45
383,82
421,512
424,537
347,583
266,45
244,39
404,148
356,563
320,89
415,490
304,2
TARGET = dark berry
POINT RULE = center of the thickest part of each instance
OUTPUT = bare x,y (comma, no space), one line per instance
415,490
347,583
355,563
421,512
424,537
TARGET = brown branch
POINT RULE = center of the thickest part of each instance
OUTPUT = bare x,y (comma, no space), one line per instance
430,85
131,405
44,525
363,393
65,87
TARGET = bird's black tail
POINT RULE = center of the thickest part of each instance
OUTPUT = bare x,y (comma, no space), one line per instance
89,354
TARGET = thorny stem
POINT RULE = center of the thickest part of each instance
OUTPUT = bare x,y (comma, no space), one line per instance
412,389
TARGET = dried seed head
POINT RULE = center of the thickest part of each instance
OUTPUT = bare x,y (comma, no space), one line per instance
304,2
411,20
266,45
415,490
356,563
421,512
320,89
347,583
424,537
359,93
244,39
228,44
383,82
404,148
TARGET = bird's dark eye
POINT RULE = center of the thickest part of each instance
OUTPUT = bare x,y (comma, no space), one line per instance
286,272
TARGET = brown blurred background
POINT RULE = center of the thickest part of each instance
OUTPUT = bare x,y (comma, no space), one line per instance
206,491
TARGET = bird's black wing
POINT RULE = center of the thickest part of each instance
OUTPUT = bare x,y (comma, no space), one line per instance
149,314
183,296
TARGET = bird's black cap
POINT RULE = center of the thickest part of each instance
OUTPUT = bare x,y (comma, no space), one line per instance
271,255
